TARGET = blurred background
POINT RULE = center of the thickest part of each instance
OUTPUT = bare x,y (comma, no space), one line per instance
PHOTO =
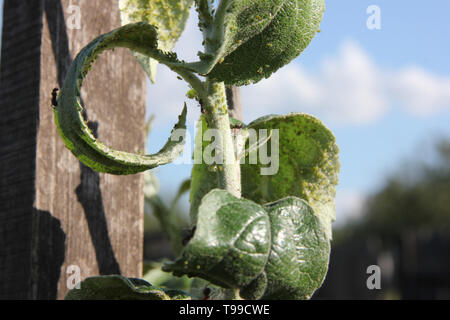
378,76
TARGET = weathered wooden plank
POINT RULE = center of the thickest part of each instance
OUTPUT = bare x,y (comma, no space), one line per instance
72,215
19,107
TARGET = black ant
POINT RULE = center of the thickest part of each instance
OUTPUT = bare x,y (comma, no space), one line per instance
54,99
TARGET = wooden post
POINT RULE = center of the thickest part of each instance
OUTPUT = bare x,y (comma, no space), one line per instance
57,216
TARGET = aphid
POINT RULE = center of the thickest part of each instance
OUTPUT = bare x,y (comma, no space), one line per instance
54,100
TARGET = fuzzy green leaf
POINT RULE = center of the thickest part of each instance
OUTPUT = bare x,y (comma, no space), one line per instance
308,165
231,242
140,37
250,40
300,250
276,251
116,287
203,177
169,16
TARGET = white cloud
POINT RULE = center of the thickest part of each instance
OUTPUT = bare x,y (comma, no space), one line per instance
421,92
348,88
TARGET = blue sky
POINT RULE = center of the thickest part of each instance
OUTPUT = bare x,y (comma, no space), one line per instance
384,93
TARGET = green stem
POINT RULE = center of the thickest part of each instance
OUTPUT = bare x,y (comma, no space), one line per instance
204,13
216,115
190,78
219,20
214,37
215,111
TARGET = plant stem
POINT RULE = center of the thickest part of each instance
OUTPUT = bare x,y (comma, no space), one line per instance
219,20
216,115
232,294
204,13
190,78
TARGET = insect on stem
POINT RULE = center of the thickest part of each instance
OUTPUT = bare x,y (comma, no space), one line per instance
54,99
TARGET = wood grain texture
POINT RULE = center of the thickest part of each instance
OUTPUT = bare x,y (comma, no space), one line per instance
19,106
75,216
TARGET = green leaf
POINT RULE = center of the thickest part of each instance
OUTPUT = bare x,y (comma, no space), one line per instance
203,177
230,246
308,165
116,287
183,188
276,251
167,217
168,221
140,37
151,185
169,16
152,273
253,39
300,250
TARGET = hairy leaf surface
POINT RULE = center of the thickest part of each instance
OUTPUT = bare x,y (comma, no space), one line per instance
308,165
116,287
256,38
203,177
276,251
300,250
169,16
140,37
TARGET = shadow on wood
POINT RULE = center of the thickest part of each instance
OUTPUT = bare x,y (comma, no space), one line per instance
48,250
89,195
88,192
54,211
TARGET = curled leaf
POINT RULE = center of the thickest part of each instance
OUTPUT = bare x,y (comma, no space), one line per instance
276,251
140,37
116,287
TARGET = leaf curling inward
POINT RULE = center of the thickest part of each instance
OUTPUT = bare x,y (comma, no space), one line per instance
72,126
276,251
169,16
